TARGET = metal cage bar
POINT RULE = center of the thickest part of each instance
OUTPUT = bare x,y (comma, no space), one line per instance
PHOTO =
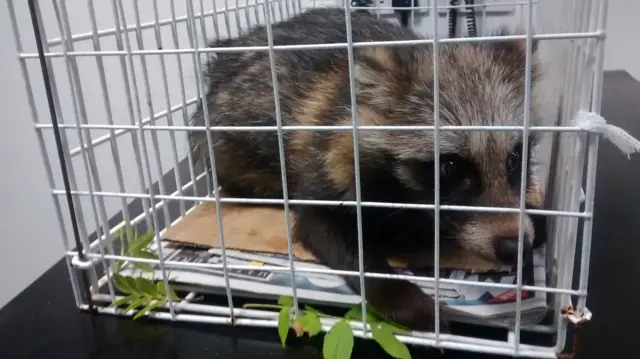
88,158
281,154
216,189
523,176
579,82
436,165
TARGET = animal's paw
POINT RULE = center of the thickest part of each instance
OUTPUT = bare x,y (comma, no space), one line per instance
406,304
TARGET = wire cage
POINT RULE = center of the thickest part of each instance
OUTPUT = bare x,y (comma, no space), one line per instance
111,86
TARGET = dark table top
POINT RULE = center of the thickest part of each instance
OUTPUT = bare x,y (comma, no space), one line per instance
43,321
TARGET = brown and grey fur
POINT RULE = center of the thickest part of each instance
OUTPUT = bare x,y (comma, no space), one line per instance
480,84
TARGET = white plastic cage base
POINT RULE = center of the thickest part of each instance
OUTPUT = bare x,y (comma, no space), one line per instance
188,311
265,319
121,127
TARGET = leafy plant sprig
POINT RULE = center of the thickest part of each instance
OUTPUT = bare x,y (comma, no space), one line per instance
339,340
147,294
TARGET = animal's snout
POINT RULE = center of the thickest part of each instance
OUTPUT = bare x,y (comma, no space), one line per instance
506,249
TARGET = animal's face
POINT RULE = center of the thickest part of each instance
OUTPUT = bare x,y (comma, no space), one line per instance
480,85
487,173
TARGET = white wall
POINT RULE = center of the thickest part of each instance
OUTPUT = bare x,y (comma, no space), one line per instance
30,241
31,236
623,43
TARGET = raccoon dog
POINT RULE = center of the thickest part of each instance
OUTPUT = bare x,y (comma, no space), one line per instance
480,84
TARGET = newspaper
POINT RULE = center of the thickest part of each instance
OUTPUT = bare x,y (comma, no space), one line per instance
474,304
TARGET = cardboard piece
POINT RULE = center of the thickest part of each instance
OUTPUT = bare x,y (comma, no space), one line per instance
262,229
259,229
247,228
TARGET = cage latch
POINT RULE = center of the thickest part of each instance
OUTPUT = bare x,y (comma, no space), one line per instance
577,317
593,122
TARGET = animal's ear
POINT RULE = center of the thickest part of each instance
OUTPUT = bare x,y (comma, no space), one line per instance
513,53
521,30
517,46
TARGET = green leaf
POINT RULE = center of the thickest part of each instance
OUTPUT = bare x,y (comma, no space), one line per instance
338,343
141,242
125,235
284,319
311,309
395,327
147,267
132,234
122,301
286,301
174,295
355,313
385,338
118,266
311,323
146,287
131,283
149,308
122,239
373,317
136,303
145,254
162,292
122,284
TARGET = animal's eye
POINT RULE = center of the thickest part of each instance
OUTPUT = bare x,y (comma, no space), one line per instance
449,168
514,160
458,175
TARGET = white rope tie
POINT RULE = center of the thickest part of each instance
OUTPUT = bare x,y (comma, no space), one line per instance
593,122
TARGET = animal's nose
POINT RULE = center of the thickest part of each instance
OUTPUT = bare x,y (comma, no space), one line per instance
506,249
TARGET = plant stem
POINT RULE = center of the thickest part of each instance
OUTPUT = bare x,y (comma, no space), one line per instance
328,316
276,306
266,306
